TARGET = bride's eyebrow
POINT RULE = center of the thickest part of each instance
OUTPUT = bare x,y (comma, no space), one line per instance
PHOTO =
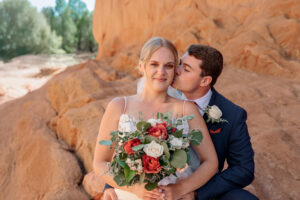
170,63
153,61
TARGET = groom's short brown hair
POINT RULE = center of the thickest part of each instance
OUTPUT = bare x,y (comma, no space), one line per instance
212,60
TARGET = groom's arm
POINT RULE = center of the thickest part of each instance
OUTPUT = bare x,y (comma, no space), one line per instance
240,171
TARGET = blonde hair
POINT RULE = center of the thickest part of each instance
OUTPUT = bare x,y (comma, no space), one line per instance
147,51
153,45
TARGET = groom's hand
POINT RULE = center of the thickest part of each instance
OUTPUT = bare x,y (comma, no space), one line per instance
109,194
171,192
188,196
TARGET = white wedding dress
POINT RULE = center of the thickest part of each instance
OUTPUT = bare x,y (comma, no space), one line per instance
128,124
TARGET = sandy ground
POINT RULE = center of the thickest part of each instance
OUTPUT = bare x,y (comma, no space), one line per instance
29,72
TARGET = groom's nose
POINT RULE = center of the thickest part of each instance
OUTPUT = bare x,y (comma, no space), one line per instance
178,70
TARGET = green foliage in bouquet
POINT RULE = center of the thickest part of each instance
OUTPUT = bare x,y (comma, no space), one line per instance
161,142
179,159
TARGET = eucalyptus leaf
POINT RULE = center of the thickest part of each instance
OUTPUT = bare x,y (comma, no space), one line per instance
178,133
150,138
120,180
105,142
196,137
166,150
121,163
138,147
143,126
179,159
114,133
189,117
151,186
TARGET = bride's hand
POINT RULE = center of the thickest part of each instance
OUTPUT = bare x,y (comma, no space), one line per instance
109,194
144,194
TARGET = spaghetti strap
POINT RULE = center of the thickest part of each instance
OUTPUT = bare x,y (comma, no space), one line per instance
183,107
125,104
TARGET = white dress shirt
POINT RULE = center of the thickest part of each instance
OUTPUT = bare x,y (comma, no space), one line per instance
202,102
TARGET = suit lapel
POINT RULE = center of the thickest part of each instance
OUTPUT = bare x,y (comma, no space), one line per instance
213,97
211,102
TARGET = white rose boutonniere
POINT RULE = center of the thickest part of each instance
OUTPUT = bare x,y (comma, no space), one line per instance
214,114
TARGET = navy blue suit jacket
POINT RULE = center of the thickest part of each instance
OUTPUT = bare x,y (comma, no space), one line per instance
232,142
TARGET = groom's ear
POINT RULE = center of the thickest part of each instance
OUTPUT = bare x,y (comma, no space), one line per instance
206,80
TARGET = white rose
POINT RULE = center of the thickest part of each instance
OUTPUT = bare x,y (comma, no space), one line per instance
153,149
214,112
127,127
176,142
154,121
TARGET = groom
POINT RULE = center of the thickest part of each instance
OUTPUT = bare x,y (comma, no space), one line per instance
198,71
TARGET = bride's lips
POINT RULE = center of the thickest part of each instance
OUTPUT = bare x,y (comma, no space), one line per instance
160,79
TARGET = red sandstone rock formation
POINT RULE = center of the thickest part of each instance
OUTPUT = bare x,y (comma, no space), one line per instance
261,36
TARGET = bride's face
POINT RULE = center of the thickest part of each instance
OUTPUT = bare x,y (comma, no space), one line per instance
159,71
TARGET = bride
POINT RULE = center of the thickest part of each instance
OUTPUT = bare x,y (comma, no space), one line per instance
158,62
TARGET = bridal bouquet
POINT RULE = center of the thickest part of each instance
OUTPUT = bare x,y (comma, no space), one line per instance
154,151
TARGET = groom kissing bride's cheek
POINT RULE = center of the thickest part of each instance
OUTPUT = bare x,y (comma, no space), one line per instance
217,131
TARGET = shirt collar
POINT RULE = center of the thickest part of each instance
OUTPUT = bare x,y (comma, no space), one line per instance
203,101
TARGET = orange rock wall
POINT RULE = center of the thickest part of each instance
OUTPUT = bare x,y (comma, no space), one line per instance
261,36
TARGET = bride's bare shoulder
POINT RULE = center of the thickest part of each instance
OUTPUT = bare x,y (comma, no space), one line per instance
177,105
175,101
185,106
115,105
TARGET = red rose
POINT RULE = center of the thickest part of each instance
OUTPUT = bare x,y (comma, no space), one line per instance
151,165
158,131
174,130
129,144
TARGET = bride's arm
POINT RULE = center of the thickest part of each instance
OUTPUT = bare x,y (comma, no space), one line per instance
206,152
103,154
